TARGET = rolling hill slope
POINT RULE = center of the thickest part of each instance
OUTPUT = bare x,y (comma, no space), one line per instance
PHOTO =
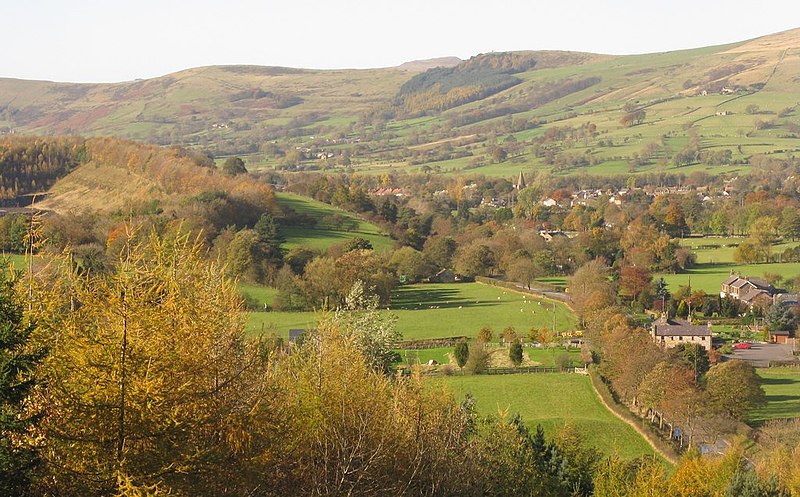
561,112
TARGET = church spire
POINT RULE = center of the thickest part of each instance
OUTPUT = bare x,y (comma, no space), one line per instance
520,182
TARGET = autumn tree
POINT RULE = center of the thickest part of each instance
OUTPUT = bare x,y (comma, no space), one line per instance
591,289
475,260
151,372
734,388
234,166
633,280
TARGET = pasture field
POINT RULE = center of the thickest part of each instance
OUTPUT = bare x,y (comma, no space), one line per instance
719,250
544,357
551,400
440,310
782,386
709,277
326,233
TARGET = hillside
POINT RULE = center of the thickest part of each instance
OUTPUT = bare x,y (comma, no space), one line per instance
108,174
714,109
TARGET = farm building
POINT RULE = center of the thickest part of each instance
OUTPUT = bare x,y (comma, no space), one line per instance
778,336
755,292
671,333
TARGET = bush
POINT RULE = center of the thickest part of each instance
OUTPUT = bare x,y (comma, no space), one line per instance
478,361
563,361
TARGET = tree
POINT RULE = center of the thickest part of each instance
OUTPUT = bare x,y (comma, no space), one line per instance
633,118
234,166
478,358
461,353
523,270
485,334
18,358
440,250
515,353
734,388
762,232
269,239
409,262
633,280
475,260
591,289
151,369
373,332
782,316
357,243
695,357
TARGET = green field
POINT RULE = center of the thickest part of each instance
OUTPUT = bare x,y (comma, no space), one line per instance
709,277
552,400
19,261
541,356
325,234
782,386
445,310
722,253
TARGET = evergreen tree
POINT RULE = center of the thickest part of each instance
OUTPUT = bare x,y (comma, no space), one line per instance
461,353
515,353
17,361
269,239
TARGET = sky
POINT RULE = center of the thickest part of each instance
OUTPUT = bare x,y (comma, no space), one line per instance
122,40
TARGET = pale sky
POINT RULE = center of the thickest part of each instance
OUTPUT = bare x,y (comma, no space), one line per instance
120,40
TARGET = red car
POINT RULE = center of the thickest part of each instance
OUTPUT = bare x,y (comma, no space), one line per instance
742,345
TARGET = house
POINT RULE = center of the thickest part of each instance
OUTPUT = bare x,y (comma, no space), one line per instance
671,333
755,292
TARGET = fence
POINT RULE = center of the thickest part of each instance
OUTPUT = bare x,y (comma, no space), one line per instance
431,343
527,369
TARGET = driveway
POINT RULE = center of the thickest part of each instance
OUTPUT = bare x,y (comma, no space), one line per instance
761,353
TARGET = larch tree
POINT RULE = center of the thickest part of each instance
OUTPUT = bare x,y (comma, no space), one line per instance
150,379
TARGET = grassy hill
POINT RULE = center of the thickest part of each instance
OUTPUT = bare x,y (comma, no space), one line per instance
327,233
562,112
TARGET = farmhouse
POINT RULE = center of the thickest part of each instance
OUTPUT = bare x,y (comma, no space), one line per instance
755,292
671,333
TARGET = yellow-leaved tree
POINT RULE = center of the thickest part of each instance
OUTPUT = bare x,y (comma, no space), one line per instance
151,381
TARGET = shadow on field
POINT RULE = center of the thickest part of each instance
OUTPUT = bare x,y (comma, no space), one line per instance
778,381
439,298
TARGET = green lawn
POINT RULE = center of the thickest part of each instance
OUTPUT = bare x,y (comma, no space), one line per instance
552,400
325,234
782,386
445,310
709,277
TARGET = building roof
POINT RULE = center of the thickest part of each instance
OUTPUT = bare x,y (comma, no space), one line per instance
750,294
730,279
740,282
672,327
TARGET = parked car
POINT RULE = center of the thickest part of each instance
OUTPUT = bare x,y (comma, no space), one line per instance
742,345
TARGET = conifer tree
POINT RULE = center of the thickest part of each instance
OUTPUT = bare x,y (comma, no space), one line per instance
18,358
